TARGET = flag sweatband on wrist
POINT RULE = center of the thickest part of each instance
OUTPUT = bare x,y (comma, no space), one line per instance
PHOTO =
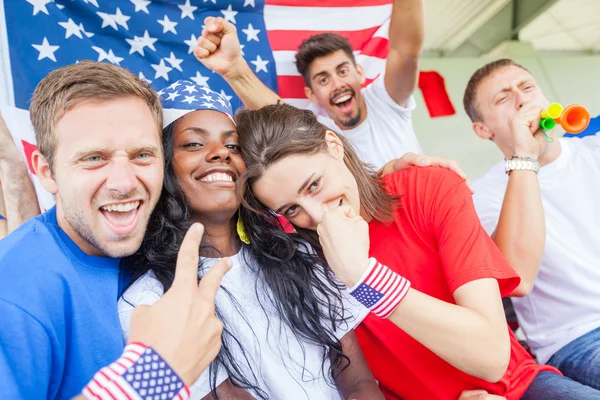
140,374
380,289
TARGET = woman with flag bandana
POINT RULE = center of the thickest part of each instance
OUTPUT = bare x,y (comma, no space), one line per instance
303,348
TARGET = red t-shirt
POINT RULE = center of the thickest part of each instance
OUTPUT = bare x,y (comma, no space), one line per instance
437,242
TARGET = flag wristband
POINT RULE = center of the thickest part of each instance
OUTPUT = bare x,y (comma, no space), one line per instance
140,374
380,289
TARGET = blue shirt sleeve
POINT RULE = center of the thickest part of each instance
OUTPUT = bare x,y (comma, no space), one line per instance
25,355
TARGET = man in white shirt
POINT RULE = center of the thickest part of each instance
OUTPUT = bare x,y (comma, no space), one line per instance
377,119
546,224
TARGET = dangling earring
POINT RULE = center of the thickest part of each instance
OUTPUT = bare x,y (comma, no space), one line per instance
241,230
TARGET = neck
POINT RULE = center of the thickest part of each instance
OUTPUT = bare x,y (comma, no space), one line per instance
64,224
220,237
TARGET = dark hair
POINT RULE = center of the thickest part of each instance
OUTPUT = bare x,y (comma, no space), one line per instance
320,45
168,224
306,295
470,96
276,131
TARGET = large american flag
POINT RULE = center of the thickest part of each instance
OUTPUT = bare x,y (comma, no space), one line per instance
155,39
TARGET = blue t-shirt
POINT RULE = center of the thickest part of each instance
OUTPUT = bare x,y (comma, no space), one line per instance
58,312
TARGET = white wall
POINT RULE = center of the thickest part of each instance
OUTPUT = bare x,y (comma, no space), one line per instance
564,78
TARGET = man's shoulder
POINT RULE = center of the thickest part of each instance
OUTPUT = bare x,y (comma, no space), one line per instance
27,242
31,260
494,179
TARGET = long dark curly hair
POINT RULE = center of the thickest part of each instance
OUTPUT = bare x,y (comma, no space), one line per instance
304,292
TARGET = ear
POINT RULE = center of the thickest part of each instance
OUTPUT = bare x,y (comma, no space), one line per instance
482,130
310,95
334,145
44,172
361,74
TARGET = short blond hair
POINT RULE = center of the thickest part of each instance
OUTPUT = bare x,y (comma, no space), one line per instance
68,86
470,96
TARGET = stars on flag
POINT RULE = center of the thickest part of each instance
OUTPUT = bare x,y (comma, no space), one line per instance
141,5
162,70
139,43
187,10
71,29
190,89
199,79
142,77
109,56
174,62
251,33
260,64
225,95
168,25
191,43
46,50
113,33
39,6
112,20
229,14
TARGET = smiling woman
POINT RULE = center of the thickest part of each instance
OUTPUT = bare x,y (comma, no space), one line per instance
409,247
288,326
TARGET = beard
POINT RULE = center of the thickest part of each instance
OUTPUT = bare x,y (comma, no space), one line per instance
114,246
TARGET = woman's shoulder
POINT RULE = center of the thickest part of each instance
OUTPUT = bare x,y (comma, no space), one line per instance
146,290
421,182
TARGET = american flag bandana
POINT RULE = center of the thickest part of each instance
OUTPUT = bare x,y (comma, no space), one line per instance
185,96
140,374
380,289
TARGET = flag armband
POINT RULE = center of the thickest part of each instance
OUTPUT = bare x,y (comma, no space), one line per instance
380,289
140,374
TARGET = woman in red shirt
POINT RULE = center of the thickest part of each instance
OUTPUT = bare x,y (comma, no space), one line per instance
410,247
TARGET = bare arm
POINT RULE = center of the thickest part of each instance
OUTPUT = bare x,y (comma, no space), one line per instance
20,200
219,50
521,231
356,381
472,335
227,391
406,34
3,228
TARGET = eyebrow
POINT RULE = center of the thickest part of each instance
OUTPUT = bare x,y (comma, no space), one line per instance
97,150
278,211
336,68
195,129
507,89
205,132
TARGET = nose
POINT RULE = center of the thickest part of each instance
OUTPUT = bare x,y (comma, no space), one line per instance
316,209
122,179
217,152
520,99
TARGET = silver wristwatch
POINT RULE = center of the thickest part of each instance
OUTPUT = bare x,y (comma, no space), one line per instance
521,163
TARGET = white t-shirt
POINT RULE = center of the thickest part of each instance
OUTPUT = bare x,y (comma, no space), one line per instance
284,367
565,301
386,133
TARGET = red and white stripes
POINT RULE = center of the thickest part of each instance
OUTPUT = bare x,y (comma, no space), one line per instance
109,382
365,23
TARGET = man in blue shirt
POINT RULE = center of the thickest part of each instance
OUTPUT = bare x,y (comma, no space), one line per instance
98,130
